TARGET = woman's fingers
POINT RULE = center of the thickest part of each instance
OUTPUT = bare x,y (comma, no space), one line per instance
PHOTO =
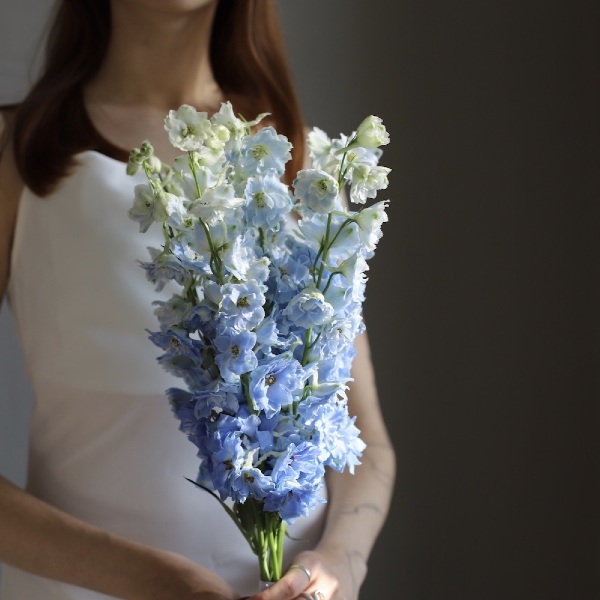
289,587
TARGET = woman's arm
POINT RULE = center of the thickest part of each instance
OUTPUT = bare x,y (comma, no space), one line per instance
37,537
358,504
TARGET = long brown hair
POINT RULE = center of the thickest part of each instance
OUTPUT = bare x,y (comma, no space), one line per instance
51,125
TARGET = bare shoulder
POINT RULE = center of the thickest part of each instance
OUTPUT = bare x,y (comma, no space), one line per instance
11,187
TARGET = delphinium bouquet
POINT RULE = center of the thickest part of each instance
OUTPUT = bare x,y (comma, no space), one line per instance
270,285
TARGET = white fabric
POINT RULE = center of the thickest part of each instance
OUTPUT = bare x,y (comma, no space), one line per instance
23,24
104,445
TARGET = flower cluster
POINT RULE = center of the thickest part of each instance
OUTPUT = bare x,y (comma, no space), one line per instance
270,282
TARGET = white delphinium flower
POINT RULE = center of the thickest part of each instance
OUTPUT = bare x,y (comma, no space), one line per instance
322,151
227,118
236,127
175,209
367,181
212,206
147,208
187,128
369,221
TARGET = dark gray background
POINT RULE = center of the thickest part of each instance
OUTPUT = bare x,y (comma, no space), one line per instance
483,300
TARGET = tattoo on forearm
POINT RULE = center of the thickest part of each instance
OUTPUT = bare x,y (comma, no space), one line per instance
354,510
382,476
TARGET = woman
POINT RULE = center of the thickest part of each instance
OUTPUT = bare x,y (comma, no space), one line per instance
106,507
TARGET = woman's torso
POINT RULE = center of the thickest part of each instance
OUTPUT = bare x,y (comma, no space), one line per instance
104,445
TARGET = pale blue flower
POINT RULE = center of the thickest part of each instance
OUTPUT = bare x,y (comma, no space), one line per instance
339,334
335,432
190,259
276,382
250,482
176,343
226,463
241,305
265,151
309,308
267,201
235,354
289,275
295,502
215,401
163,268
267,335
317,190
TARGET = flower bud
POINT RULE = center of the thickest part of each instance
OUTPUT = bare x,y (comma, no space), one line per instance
154,164
371,133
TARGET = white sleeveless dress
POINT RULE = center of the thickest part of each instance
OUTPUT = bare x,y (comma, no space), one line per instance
104,445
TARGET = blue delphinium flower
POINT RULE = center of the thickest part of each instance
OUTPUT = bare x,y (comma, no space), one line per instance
250,481
164,268
267,201
177,343
235,354
214,401
276,382
309,308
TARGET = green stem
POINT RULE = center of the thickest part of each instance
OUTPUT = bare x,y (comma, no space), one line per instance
329,281
329,246
215,258
307,346
273,553
245,379
192,165
322,249
216,265
342,172
280,543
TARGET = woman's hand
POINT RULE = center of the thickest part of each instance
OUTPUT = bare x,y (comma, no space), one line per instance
334,572
178,578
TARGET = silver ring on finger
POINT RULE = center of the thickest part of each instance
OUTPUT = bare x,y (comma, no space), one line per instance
306,571
319,595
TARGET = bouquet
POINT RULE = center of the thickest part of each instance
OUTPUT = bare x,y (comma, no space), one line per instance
269,289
